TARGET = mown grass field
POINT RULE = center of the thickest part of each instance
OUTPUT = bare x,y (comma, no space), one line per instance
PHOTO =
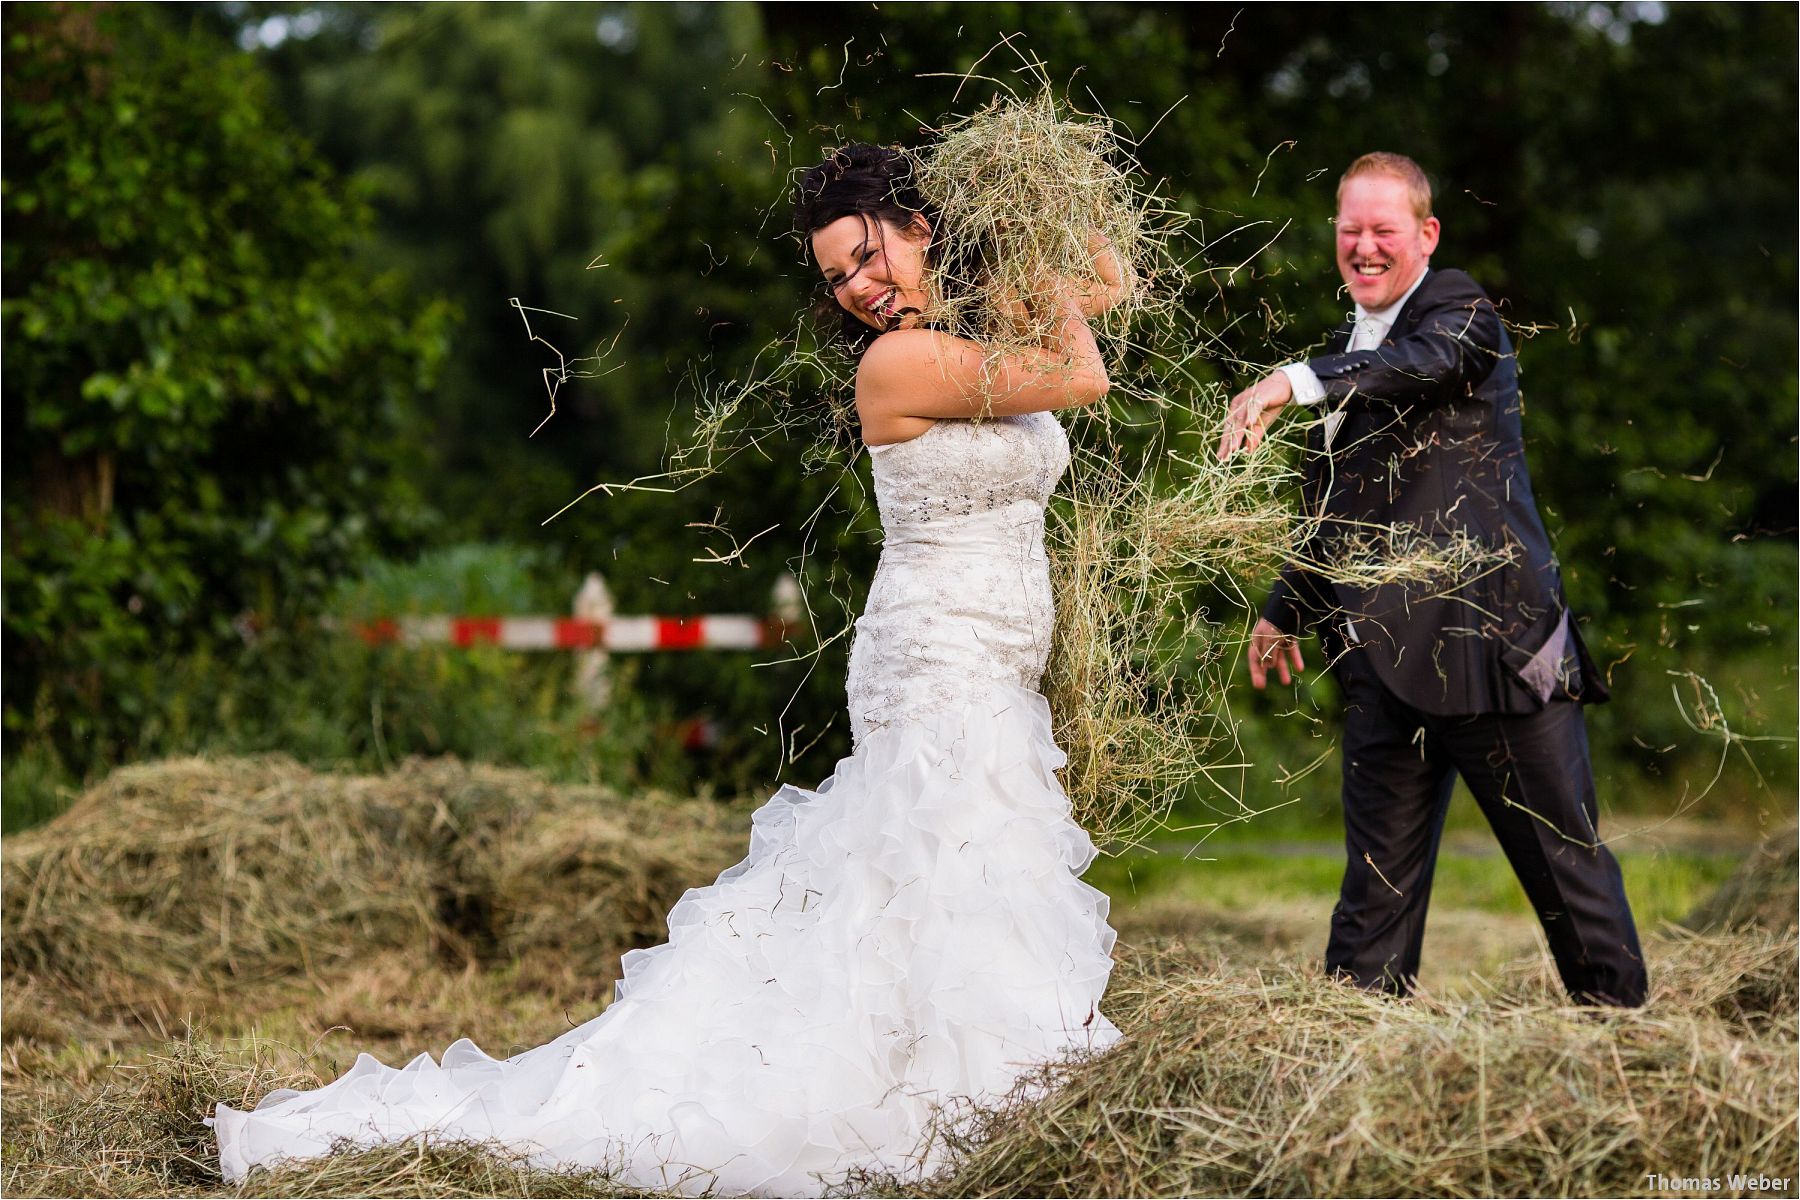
192,932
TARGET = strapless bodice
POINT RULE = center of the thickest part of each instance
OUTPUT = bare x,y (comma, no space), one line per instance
961,598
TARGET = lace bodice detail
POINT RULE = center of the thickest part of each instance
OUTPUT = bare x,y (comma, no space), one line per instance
962,596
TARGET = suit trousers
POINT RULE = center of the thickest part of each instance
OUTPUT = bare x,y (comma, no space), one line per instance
1531,776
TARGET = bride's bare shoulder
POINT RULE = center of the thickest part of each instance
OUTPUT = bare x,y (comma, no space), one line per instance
897,353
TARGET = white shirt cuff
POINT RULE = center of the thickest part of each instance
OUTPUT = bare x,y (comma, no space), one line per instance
1306,385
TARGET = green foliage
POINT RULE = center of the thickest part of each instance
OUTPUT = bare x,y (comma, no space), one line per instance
606,162
324,697
472,580
206,397
589,159
221,399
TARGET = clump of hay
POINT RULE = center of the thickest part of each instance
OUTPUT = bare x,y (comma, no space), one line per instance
1764,892
1028,196
192,883
1370,557
1278,1082
589,879
1137,672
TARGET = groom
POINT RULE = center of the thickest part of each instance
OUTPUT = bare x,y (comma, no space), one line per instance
1419,428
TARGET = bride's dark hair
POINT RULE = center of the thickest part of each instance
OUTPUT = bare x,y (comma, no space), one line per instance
860,180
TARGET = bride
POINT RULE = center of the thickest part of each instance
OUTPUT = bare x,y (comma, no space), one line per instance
911,935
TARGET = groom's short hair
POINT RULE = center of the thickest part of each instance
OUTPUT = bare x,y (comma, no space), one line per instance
1400,167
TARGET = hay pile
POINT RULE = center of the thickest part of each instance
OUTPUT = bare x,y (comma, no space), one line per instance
1275,1082
1763,893
1234,1079
1243,1072
169,887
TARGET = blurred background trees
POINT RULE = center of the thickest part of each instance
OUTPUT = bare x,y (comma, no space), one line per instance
207,397
256,301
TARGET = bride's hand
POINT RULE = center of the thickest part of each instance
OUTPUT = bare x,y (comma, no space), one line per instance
1089,294
1105,283
1113,281
1041,315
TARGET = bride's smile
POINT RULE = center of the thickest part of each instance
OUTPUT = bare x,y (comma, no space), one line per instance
874,268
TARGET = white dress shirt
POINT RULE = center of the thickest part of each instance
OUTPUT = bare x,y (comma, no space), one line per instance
1370,331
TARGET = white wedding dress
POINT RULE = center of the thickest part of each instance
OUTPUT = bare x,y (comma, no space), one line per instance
912,934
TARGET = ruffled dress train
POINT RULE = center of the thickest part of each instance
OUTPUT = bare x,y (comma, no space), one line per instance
910,937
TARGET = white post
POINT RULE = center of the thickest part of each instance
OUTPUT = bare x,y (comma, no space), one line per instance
786,601
594,602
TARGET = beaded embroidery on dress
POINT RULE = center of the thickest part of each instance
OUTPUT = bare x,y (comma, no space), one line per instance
910,935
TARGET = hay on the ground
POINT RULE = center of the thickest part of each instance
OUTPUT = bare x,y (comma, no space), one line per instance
1277,1082
1235,1078
186,876
170,888
142,1135
1764,892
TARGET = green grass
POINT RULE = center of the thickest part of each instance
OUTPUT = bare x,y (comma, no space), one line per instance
1662,886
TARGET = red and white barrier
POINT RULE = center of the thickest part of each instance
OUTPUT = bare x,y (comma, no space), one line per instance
624,635
595,631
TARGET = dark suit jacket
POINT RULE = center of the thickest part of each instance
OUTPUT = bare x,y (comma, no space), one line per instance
1431,444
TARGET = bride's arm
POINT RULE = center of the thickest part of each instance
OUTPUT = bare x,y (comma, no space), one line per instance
911,377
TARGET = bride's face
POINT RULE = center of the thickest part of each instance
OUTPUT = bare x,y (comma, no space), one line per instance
874,268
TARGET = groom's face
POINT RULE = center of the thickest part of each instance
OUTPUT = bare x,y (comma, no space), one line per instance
1382,245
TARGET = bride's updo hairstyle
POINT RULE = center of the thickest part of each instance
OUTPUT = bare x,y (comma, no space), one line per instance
875,183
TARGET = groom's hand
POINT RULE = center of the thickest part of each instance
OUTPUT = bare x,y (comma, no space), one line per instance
1252,411
1268,645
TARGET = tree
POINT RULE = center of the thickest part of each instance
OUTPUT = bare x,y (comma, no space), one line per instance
607,162
208,398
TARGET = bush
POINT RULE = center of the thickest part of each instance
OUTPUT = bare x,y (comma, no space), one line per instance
207,399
